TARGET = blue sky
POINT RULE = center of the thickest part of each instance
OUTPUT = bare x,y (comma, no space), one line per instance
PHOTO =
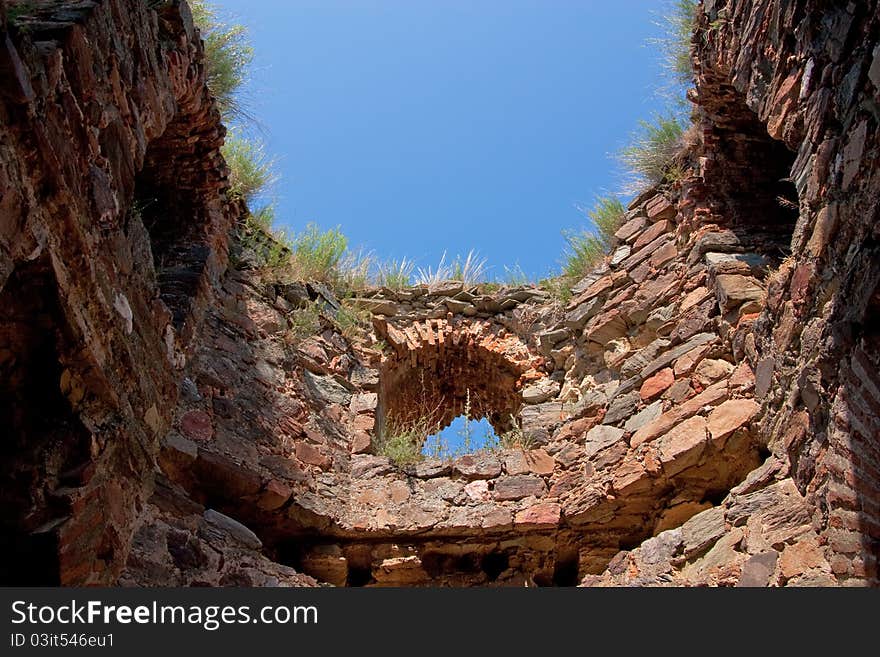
429,127
452,439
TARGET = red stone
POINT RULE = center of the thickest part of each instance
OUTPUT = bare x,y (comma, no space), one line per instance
800,283
197,425
743,378
712,396
660,208
784,101
606,327
517,487
274,496
651,234
627,477
799,558
575,430
657,384
683,445
730,416
733,290
539,515
629,229
664,255
312,456
539,462
361,443
364,423
602,285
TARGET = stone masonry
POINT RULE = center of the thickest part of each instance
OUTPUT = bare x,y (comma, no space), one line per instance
703,410
94,326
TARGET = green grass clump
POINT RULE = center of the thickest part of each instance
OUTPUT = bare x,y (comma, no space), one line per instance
515,276
470,270
651,154
312,255
354,272
583,252
228,56
558,286
586,248
251,172
402,448
317,254
303,323
402,441
678,24
607,216
432,276
269,249
352,321
264,217
395,274
515,437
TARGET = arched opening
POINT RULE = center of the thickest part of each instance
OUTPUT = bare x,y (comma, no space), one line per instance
566,571
171,200
453,375
748,173
45,446
495,563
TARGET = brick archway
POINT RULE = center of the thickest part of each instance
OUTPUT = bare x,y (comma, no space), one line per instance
438,365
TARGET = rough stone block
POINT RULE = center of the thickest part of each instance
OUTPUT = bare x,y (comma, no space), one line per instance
519,486
734,289
601,437
700,532
729,416
683,446
540,516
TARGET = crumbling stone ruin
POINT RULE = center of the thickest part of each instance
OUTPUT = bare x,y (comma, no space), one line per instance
705,409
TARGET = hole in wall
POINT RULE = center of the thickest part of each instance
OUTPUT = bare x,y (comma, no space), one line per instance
45,445
359,576
469,391
495,563
462,436
750,177
715,497
567,569
170,204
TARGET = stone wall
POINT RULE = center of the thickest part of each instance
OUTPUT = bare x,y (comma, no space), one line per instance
703,410
810,72
635,409
105,126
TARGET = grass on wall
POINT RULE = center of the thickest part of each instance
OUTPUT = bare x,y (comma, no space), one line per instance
586,248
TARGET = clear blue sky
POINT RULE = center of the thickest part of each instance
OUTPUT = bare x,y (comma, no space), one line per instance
423,127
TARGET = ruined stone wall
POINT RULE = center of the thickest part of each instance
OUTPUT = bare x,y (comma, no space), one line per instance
634,411
113,224
809,72
703,410
787,107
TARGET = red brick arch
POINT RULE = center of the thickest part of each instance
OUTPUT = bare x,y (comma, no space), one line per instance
436,365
